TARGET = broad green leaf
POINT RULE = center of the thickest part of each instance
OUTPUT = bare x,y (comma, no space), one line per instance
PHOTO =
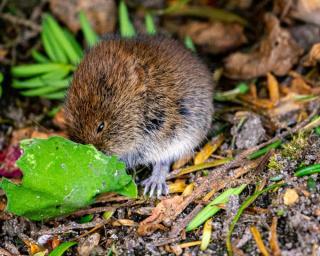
126,27
89,34
61,176
62,248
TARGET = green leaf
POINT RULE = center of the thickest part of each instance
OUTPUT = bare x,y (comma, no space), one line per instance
43,80
150,26
53,43
39,57
77,47
36,69
265,150
126,27
55,96
243,206
86,218
62,248
89,34
61,176
62,39
211,209
53,86
46,42
189,44
307,170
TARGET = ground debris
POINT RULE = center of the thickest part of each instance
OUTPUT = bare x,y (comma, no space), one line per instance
276,53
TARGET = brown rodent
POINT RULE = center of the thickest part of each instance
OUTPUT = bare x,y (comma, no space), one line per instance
146,99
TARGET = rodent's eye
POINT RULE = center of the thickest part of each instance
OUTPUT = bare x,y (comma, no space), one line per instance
100,127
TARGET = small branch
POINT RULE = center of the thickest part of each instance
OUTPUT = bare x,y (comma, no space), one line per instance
72,226
20,21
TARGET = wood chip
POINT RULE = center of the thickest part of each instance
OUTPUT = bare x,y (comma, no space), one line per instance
274,245
290,197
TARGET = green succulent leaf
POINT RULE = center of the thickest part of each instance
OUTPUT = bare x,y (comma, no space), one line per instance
61,176
62,40
37,69
39,57
150,26
126,27
89,34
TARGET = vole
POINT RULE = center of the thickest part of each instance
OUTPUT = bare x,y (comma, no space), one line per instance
146,99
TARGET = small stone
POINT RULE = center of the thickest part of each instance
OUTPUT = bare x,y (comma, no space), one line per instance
290,197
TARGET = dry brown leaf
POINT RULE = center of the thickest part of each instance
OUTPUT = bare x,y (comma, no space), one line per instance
299,86
59,119
306,10
55,242
287,110
290,197
144,230
163,212
124,222
181,162
209,149
215,37
101,13
273,87
257,237
31,132
178,186
277,53
313,56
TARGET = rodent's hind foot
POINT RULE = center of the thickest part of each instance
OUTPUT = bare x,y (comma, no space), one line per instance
152,186
156,183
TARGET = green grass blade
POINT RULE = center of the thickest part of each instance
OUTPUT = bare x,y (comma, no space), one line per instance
126,27
59,52
264,150
74,42
189,44
39,57
37,69
149,23
55,96
243,206
62,248
46,42
89,34
52,86
307,170
63,41
211,209
40,80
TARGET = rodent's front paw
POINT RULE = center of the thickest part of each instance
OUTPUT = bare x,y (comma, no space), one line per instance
155,185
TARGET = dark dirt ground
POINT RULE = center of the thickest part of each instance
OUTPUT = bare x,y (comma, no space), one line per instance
298,223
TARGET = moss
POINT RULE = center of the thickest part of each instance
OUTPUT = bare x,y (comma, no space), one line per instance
291,150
